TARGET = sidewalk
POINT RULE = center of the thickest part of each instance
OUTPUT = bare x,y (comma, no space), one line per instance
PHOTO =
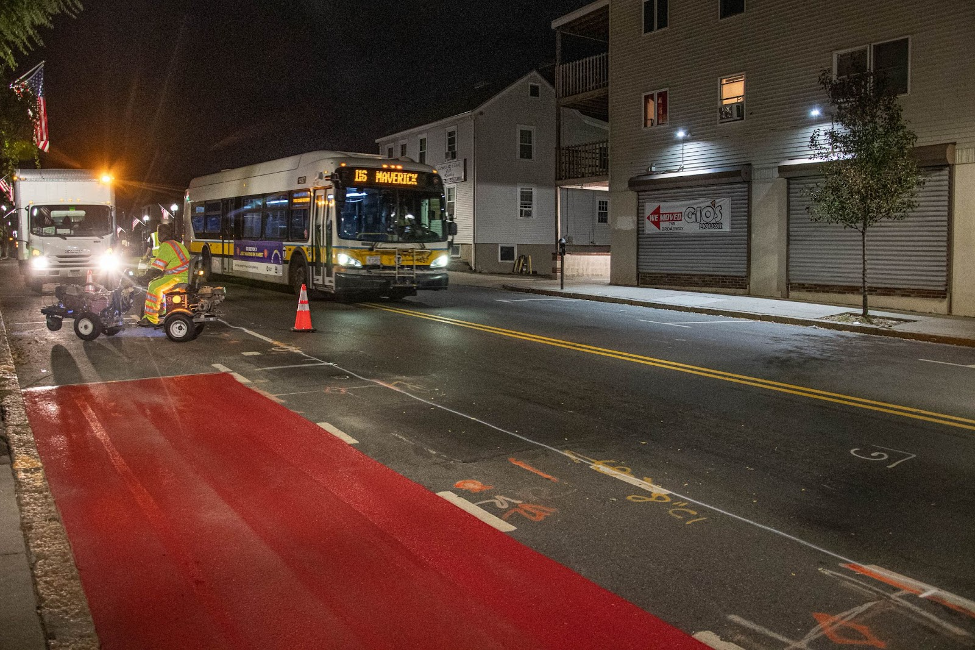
952,330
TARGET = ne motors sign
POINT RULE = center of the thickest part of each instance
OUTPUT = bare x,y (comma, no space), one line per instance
696,216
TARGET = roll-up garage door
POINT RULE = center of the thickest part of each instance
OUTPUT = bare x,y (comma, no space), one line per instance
721,256
907,254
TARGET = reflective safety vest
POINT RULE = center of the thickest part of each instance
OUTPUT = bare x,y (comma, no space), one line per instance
155,239
173,260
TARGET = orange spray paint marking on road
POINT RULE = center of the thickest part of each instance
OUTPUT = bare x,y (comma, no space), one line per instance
472,486
832,625
526,466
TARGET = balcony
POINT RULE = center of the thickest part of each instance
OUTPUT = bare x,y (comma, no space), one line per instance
583,161
584,77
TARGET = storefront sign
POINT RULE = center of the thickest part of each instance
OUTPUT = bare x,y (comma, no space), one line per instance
453,171
263,257
707,215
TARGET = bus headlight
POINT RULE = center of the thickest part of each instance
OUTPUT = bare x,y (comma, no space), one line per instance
40,262
440,263
347,260
108,262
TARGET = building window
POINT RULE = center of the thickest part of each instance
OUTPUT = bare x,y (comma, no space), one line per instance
732,96
390,152
422,150
451,152
729,8
526,202
507,253
656,15
403,149
602,210
449,200
889,58
656,108
534,90
525,143
455,250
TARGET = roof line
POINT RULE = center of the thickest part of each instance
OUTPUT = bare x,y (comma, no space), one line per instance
579,13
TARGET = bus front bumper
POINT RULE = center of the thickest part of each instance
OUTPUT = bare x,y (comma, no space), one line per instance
379,282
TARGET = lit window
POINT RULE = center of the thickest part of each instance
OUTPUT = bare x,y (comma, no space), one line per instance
732,94
656,108
526,202
525,143
655,15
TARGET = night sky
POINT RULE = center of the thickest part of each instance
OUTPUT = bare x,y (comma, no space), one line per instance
162,92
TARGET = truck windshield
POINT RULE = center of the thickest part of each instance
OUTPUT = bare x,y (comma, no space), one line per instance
71,220
392,215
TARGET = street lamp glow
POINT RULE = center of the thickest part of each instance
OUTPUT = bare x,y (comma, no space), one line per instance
680,134
106,178
815,112
174,207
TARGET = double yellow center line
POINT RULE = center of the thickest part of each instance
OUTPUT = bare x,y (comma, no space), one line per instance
812,393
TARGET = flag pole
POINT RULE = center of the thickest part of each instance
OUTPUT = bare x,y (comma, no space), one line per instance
27,74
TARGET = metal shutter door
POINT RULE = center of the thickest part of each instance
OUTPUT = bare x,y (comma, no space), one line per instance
907,254
697,253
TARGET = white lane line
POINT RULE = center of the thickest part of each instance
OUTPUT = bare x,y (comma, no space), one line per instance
532,300
712,640
475,511
345,437
243,380
641,320
296,365
250,354
714,322
947,363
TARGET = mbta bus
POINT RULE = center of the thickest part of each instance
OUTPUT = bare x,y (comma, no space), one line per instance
341,223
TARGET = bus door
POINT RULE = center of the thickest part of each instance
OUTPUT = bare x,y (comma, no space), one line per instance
322,240
227,237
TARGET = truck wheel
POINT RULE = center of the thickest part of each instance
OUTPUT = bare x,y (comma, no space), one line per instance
179,328
53,323
87,326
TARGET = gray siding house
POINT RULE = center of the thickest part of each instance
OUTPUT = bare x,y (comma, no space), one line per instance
495,152
711,105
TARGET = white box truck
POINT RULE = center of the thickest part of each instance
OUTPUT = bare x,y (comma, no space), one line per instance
66,225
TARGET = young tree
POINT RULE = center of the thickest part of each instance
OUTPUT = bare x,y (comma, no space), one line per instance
869,172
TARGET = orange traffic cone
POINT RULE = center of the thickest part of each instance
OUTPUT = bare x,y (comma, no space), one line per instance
89,284
303,318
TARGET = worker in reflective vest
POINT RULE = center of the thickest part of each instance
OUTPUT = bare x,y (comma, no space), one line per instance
172,266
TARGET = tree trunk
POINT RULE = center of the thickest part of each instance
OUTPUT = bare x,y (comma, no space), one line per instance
864,271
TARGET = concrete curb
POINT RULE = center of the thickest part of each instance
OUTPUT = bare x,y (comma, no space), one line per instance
786,320
63,609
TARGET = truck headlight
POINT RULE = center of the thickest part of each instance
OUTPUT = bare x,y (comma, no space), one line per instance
347,260
440,263
108,262
40,262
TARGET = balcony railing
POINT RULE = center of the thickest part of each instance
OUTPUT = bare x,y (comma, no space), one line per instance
584,160
583,76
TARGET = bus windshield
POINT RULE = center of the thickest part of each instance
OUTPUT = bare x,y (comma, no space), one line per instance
392,215
71,220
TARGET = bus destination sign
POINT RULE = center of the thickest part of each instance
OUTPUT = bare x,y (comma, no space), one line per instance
386,177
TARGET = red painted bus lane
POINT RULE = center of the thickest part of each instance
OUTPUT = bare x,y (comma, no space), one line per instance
204,515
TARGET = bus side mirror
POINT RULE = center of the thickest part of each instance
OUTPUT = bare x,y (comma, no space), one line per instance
452,228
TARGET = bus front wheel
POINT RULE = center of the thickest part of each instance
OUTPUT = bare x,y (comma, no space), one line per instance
298,274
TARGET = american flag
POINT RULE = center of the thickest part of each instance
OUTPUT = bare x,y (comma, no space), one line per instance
34,82
135,222
6,188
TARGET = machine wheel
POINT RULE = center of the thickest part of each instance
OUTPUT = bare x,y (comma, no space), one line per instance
206,264
298,274
111,331
53,323
179,328
87,326
197,329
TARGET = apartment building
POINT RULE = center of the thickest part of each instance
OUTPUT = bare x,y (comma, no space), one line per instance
711,106
494,148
